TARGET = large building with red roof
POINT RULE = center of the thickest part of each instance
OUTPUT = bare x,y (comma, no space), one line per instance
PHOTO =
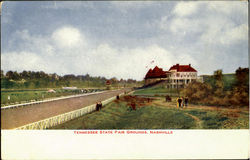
176,77
155,75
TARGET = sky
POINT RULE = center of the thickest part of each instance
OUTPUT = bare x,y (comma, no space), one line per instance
123,39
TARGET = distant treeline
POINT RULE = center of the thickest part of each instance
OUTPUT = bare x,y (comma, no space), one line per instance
221,89
32,80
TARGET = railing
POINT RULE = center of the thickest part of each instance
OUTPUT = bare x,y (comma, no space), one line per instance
59,119
49,100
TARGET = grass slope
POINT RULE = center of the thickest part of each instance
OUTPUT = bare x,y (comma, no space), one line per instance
159,90
160,115
118,116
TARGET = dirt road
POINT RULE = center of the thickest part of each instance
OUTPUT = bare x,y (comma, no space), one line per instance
13,118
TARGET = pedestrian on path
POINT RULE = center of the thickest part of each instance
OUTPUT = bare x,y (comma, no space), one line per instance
182,102
100,105
186,101
97,106
179,101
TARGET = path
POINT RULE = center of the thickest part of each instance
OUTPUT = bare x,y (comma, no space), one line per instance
197,120
228,112
162,102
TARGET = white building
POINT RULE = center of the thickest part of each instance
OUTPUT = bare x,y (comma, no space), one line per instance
181,75
176,77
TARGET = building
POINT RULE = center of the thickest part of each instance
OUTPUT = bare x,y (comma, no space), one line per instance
181,75
155,75
176,77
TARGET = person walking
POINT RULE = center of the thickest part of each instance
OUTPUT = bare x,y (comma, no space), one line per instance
100,105
117,97
186,101
182,102
179,101
97,106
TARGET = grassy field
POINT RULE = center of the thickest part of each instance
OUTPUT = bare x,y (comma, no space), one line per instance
18,96
157,114
157,90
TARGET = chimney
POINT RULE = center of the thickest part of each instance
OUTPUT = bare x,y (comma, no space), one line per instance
177,64
189,65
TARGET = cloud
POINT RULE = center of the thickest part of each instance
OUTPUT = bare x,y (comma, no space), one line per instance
132,4
121,38
186,8
67,5
223,31
215,24
99,60
228,8
234,35
21,61
68,37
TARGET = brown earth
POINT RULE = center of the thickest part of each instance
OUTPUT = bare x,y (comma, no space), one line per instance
13,118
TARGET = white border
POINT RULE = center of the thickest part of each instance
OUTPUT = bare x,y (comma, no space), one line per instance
182,144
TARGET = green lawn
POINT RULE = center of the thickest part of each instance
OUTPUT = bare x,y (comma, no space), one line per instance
218,120
157,90
117,115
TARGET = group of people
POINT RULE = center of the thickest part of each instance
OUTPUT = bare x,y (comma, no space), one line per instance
181,102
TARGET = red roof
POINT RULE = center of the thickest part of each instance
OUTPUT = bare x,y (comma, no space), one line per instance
183,68
156,73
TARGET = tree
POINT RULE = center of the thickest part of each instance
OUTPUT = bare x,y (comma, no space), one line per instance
242,76
2,74
24,75
16,76
114,80
9,75
219,85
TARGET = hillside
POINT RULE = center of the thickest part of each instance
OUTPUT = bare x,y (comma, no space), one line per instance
228,79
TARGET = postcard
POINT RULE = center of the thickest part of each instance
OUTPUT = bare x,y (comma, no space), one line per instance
124,80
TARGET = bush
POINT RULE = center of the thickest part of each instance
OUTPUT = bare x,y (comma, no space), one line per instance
197,91
203,93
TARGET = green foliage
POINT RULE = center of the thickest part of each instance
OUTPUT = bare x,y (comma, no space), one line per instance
229,81
219,85
197,91
210,119
221,90
34,80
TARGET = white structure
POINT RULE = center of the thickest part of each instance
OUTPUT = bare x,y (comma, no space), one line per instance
181,75
69,88
176,77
